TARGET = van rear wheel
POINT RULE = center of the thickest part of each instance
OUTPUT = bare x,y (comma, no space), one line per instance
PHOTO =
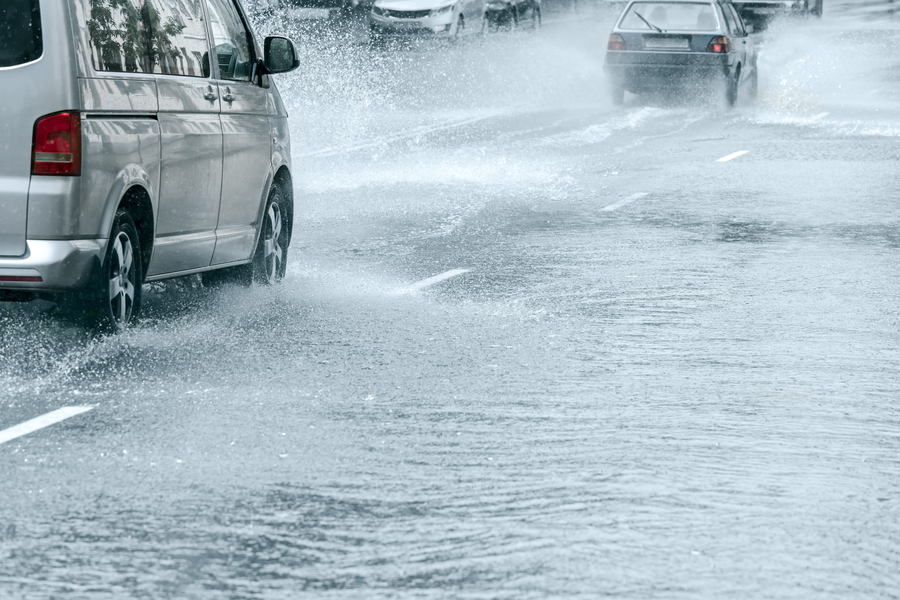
112,298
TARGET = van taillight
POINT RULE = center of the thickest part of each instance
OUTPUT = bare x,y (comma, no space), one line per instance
57,145
718,44
616,42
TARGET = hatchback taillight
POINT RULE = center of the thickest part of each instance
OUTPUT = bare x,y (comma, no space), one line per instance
718,44
57,145
616,42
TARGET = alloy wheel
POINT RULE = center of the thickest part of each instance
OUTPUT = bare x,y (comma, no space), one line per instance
122,279
273,253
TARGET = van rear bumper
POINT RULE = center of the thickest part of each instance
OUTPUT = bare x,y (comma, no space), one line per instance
50,266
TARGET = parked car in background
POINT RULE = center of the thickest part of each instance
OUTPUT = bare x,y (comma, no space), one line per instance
759,13
426,18
513,13
768,8
664,44
316,11
139,140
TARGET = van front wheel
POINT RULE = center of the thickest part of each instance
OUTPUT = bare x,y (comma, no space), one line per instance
270,259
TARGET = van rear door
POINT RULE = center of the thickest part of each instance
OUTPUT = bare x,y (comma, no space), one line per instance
21,47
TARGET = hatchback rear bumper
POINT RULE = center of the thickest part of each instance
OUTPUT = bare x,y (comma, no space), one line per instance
50,266
647,70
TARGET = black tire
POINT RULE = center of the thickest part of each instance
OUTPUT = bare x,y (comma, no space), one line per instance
112,299
753,86
270,259
731,90
535,18
460,27
376,41
617,94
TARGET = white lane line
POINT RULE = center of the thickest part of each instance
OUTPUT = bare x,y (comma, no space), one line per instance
40,422
819,116
421,285
733,156
627,200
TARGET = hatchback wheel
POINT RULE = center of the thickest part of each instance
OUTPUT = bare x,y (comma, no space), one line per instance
753,89
460,27
731,90
535,18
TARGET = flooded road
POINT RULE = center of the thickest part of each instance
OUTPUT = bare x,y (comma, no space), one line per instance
529,346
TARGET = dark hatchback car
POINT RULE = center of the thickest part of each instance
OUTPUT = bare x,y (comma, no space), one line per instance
659,45
513,13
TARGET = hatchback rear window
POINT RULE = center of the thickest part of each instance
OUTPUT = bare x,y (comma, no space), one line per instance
670,16
20,32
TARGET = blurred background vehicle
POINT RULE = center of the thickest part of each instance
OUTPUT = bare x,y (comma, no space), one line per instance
760,13
678,44
513,13
430,18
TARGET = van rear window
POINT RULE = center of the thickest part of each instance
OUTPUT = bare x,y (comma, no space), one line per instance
20,32
148,36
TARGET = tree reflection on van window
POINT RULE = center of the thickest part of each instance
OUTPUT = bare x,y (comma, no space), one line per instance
148,36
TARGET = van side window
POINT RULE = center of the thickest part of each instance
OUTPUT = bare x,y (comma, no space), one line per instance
20,32
231,39
148,36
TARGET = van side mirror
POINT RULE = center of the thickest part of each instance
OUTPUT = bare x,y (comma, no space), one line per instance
279,55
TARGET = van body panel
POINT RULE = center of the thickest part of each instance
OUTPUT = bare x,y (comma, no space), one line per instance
117,153
190,173
281,135
246,168
172,252
13,202
30,91
81,42
118,95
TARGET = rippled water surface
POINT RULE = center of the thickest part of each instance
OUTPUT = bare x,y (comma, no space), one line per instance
690,395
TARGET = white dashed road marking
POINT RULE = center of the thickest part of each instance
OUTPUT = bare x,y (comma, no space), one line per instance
421,285
40,422
627,200
733,156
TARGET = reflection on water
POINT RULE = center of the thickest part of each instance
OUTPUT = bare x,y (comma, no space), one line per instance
690,396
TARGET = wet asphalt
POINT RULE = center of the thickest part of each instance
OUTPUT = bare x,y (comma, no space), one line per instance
530,345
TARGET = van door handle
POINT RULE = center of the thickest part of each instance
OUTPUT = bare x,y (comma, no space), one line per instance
210,96
228,97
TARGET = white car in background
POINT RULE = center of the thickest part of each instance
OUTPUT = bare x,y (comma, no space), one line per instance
426,18
764,8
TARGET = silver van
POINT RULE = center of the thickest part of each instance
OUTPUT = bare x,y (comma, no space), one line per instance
139,140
